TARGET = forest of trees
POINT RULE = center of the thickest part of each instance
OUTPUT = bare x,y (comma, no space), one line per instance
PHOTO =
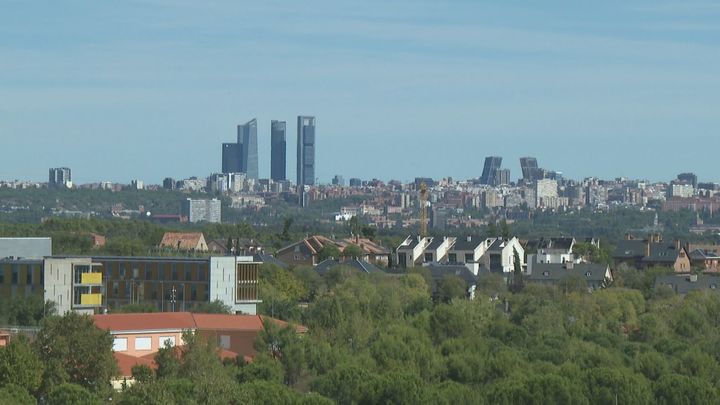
382,339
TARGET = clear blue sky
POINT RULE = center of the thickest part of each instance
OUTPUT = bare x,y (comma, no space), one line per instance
148,89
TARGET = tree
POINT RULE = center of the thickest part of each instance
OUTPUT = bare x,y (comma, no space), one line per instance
28,311
20,366
142,373
353,252
213,307
451,287
329,250
675,389
75,351
517,280
368,232
15,395
284,345
143,307
67,393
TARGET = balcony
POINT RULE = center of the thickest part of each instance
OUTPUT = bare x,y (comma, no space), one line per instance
91,278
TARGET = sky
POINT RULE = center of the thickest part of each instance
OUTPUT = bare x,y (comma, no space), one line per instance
401,89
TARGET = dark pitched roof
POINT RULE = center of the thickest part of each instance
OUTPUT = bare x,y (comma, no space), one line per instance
439,271
684,284
662,252
266,258
413,241
435,243
357,264
557,272
495,246
462,243
701,254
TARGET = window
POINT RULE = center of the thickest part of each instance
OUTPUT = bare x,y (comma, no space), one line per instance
29,275
15,271
452,257
115,289
188,275
2,275
143,343
225,341
165,341
469,258
546,273
428,257
123,272
588,274
120,344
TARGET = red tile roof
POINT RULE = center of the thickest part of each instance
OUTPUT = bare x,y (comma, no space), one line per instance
182,240
126,362
228,322
145,321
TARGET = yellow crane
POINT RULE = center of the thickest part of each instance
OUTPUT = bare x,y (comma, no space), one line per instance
423,209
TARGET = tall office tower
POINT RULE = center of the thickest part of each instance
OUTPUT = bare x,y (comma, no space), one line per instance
60,177
530,169
247,137
278,150
232,157
690,178
305,151
492,163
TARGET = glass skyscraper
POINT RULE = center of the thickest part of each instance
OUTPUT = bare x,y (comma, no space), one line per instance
278,150
305,151
231,158
247,137
530,169
492,163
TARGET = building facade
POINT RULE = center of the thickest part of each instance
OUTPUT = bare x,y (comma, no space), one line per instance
202,210
171,284
278,150
231,158
60,177
492,163
305,151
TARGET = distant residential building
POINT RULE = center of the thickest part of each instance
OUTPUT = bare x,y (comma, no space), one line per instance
306,251
232,157
492,163
411,251
682,190
169,183
500,255
500,177
60,177
202,210
595,276
652,252
278,150
137,185
338,180
305,151
685,284
360,265
184,241
355,182
545,190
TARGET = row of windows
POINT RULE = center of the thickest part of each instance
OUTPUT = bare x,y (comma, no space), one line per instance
156,271
142,343
15,274
155,291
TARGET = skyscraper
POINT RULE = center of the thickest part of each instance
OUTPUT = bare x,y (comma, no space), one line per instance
305,151
247,137
530,169
492,163
278,150
232,158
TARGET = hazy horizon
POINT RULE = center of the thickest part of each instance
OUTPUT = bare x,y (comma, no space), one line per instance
151,89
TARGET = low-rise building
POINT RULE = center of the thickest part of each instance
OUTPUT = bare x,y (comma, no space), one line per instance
596,276
184,241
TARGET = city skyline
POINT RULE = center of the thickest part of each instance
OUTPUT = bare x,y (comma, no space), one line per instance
607,90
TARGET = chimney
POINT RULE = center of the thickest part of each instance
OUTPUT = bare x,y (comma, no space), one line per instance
469,238
677,244
569,265
647,248
693,278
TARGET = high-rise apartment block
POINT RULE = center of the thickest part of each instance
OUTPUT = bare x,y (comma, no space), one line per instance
690,178
278,150
201,210
60,177
305,151
492,163
545,191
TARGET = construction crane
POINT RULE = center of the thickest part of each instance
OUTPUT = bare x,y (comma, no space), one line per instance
423,209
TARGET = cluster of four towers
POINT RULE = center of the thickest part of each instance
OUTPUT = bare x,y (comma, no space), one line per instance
242,156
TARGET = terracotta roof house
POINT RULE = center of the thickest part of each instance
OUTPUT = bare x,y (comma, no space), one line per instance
184,241
305,252
373,252
137,337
